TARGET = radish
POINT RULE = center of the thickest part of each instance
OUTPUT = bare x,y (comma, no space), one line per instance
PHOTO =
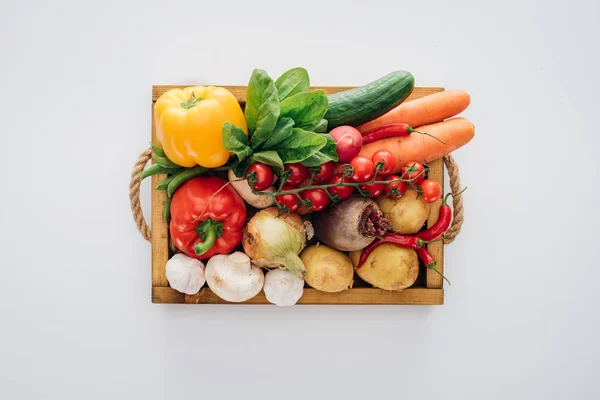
348,142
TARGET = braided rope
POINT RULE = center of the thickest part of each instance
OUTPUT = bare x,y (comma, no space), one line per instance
457,201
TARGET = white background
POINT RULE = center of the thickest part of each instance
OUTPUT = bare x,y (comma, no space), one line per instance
521,318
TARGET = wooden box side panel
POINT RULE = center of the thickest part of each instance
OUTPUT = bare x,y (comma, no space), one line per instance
432,294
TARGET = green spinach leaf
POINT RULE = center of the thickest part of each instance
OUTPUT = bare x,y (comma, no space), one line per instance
259,81
300,146
268,157
321,126
236,141
292,82
325,154
282,131
268,113
306,109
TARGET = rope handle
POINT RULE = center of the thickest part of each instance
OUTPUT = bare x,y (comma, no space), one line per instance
140,221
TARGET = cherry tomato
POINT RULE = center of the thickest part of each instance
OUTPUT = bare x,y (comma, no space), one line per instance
431,191
364,169
413,170
343,191
318,198
399,186
374,189
325,173
297,173
289,200
389,161
264,176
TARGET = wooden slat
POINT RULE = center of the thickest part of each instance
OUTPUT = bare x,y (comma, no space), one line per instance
433,280
357,296
160,233
240,91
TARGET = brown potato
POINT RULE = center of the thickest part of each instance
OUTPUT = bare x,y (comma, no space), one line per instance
327,269
407,214
388,267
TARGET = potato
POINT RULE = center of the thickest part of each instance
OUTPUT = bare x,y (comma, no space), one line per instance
407,214
388,267
327,269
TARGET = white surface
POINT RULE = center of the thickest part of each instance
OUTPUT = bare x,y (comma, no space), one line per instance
521,318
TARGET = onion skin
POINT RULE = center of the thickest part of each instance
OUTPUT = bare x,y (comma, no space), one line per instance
351,225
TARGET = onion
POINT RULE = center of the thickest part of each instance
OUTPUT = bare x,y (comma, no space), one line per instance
351,225
273,241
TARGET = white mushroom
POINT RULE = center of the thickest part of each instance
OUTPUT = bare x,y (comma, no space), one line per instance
185,274
282,287
242,187
233,278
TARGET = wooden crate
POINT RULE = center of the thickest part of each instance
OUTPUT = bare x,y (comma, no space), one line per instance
428,290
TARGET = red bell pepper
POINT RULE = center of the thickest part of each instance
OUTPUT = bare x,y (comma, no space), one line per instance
207,217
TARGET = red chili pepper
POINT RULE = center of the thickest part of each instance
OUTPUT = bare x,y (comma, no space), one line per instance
441,226
207,217
429,261
386,131
410,242
392,130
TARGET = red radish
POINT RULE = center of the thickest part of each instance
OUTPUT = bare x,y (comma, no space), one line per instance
348,142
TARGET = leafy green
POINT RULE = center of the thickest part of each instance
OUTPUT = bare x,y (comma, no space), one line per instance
282,131
268,113
306,109
300,145
236,141
240,167
321,126
259,81
292,82
325,154
269,157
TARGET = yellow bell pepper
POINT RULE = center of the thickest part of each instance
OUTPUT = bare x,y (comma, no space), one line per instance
189,123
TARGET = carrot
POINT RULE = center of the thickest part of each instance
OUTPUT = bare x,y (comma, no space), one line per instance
456,132
426,110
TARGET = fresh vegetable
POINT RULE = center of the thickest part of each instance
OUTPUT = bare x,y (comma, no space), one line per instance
242,188
327,269
351,224
185,274
413,171
429,261
374,189
363,168
233,278
325,173
157,169
264,175
343,192
441,226
317,197
426,110
386,158
365,103
297,173
388,267
431,191
283,288
348,142
396,189
455,132
189,123
406,214
183,176
410,242
272,240
288,200
207,217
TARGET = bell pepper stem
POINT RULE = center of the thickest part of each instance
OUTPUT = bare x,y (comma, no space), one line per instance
208,231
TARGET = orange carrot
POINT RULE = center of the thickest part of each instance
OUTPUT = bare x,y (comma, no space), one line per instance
456,132
426,110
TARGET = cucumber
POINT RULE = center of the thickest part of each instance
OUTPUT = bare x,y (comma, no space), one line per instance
365,103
